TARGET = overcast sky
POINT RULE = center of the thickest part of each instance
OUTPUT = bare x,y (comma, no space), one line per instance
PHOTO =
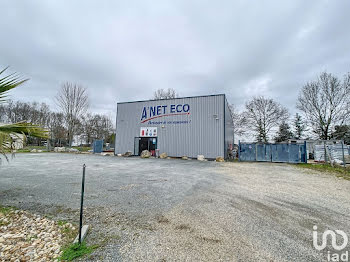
125,50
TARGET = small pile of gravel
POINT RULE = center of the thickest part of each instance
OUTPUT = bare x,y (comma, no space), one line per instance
28,237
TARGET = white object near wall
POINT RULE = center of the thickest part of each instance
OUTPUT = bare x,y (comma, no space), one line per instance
335,152
148,132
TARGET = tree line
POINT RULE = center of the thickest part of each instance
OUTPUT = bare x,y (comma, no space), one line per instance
323,104
324,113
9,133
73,121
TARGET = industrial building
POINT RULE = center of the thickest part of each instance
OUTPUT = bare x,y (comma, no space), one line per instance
188,126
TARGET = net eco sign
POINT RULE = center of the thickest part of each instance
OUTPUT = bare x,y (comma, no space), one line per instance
152,112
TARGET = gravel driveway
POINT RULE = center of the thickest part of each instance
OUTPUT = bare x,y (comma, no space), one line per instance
178,210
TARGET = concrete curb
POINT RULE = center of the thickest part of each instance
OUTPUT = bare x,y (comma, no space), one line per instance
84,231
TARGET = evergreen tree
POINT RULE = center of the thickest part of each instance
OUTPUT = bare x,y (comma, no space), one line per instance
342,133
284,133
299,126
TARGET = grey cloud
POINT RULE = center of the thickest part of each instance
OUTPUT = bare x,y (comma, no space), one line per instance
124,51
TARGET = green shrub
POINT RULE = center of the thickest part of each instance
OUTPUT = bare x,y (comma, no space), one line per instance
337,170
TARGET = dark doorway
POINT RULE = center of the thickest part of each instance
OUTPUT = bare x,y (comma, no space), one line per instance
147,143
143,144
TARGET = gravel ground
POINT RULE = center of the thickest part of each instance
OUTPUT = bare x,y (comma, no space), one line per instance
29,237
178,210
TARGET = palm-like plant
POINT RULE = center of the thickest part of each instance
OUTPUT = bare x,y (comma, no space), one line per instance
9,133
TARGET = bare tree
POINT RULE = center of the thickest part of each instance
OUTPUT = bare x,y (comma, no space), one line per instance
96,127
3,117
35,113
165,94
57,130
73,101
239,121
262,115
325,103
87,127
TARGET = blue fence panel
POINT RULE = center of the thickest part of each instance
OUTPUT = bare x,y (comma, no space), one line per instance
289,153
247,152
303,153
98,146
294,153
280,153
263,152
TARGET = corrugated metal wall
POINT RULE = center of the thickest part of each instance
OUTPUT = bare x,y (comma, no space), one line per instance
203,134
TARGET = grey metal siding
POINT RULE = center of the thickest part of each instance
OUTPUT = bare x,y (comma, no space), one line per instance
229,133
200,133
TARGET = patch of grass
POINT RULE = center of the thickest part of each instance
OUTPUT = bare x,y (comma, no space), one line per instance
6,210
23,150
69,233
48,216
37,147
82,148
76,250
6,215
327,168
61,222
27,149
30,238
